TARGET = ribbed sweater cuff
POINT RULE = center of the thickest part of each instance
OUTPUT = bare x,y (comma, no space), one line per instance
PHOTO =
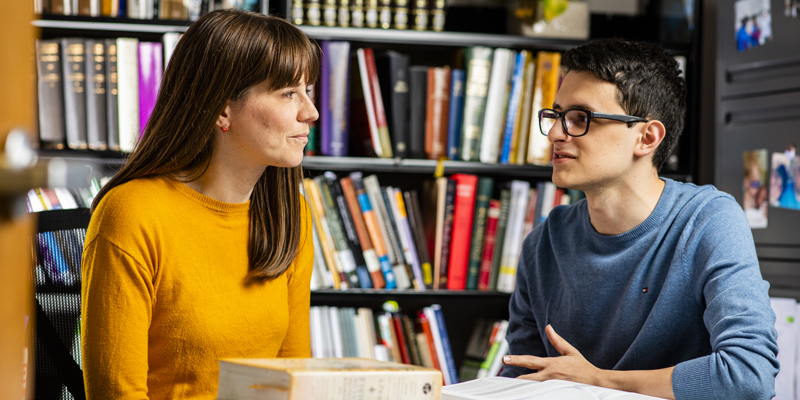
692,380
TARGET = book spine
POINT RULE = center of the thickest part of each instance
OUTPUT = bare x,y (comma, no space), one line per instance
340,385
479,70
482,198
357,15
128,92
313,13
519,143
437,340
371,259
344,13
380,112
297,12
466,186
369,102
401,14
421,15
456,111
530,213
416,224
51,94
498,338
112,95
448,352
547,73
411,338
74,70
418,78
502,221
387,339
447,230
513,107
513,240
151,66
409,247
485,273
327,102
374,192
364,279
425,323
96,94
318,215
496,105
385,14
346,258
401,338
374,229
438,14
402,269
371,14
330,12
437,112
398,93
313,145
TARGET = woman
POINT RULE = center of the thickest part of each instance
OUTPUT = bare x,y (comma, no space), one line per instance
200,247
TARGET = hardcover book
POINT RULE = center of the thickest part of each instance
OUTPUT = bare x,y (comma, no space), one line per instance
482,197
438,105
496,105
466,186
456,113
418,76
128,92
74,71
335,98
112,95
51,94
151,67
96,94
479,68
393,77
370,256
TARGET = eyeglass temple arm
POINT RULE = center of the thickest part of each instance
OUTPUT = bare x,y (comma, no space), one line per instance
617,117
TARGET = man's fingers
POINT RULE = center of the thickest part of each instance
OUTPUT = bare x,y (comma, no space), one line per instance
533,377
561,345
531,362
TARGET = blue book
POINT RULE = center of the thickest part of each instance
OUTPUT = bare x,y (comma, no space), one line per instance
513,106
371,220
335,99
457,78
448,352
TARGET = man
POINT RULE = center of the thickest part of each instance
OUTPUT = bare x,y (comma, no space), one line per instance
652,285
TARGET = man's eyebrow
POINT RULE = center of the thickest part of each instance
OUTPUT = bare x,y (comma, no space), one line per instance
581,106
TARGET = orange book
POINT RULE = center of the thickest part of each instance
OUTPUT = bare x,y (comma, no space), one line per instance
426,328
437,114
373,264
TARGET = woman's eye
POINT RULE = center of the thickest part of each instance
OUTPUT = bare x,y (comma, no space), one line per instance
290,94
309,89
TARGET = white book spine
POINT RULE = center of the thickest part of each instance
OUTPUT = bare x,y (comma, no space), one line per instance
134,9
496,105
393,247
170,40
373,264
369,337
385,326
512,242
65,198
128,92
437,343
548,198
365,85
316,338
94,8
375,385
336,332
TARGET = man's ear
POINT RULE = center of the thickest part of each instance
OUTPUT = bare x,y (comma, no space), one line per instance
224,118
651,136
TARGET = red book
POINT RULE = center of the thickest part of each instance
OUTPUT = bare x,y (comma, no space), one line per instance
377,103
401,338
461,234
558,197
530,214
492,218
426,329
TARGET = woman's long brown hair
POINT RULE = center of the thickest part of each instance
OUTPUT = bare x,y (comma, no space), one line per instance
219,58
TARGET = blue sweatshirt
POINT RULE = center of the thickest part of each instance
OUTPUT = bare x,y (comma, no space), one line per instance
681,289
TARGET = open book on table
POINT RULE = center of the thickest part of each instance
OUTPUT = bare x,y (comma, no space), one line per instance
520,389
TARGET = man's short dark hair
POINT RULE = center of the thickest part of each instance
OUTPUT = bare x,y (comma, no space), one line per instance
648,82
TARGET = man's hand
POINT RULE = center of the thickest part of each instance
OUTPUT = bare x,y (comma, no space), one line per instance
571,366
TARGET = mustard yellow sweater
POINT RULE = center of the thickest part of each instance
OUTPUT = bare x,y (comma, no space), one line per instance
163,294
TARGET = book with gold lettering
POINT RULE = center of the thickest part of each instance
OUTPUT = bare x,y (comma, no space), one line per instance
329,378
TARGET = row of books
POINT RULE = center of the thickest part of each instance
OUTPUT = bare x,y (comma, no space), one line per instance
388,336
140,9
419,15
57,259
46,199
487,345
98,93
486,112
454,236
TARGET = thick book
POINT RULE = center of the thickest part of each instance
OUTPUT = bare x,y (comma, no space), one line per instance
346,258
400,333
479,68
96,135
447,232
425,326
456,112
394,253
321,223
335,99
400,210
437,112
376,114
388,338
112,95
402,269
151,67
371,220
466,186
74,70
490,238
370,257
513,115
512,242
329,378
50,93
417,225
418,76
442,341
496,105
502,221
411,339
544,93
393,72
364,278
482,197
526,115
128,92
517,389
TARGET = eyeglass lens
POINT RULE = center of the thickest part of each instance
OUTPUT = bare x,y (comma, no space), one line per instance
576,121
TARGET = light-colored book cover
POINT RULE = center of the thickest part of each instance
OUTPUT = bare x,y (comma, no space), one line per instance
507,276
519,143
325,378
496,105
548,67
520,389
128,92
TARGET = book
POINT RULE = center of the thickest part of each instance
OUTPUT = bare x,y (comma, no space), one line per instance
74,71
407,237
455,117
438,14
477,346
483,195
128,93
544,93
512,241
343,17
385,14
442,342
323,231
374,228
346,259
425,325
388,338
418,92
50,94
502,221
363,272
526,115
313,13
371,15
424,350
421,14
479,68
368,251
357,14
313,144
496,105
403,270
112,95
393,72
463,213
335,99
513,115
446,233
411,338
401,14
395,255
297,12
400,335
437,112
418,228
96,117
330,13
151,68
490,239
376,115
519,389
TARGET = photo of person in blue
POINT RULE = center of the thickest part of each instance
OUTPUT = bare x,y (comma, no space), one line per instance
785,181
753,23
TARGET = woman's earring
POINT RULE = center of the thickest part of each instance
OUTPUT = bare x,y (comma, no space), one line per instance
225,128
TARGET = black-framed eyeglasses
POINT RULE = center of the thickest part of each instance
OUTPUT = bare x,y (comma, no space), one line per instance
576,121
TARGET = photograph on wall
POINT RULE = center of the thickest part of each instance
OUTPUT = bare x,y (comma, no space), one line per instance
754,188
792,8
784,185
753,23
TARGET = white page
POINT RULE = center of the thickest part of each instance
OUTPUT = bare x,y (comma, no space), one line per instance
786,326
520,389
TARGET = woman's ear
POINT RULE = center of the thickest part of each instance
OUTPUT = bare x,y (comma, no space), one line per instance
224,118
652,135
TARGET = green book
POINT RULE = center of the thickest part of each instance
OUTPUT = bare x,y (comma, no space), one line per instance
505,202
482,197
479,69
